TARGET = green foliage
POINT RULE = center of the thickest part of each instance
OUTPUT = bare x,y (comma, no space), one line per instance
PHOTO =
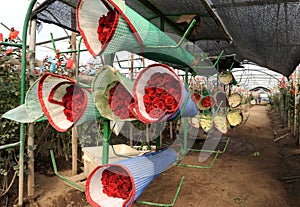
9,130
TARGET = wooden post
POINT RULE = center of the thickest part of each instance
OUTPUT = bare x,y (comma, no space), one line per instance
75,69
131,78
295,103
171,130
30,140
74,151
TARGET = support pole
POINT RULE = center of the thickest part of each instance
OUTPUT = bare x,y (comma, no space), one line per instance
75,72
185,120
22,100
105,145
108,59
131,78
295,103
30,140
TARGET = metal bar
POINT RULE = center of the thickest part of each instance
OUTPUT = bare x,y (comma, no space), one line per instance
213,151
138,67
105,144
62,52
217,19
23,86
9,145
11,44
201,166
169,204
181,40
63,177
214,65
217,152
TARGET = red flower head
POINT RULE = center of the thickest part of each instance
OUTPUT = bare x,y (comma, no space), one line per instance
73,102
116,183
105,26
70,63
119,100
1,37
160,95
13,34
8,51
57,54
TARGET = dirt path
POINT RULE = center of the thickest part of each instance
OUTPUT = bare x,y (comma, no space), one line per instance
247,175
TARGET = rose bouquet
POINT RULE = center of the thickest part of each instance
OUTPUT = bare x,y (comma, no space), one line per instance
159,95
119,184
206,102
64,102
106,26
119,100
116,182
112,94
73,100
109,26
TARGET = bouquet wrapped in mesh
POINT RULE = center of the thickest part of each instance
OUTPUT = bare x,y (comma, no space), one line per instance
160,95
109,26
64,102
112,94
119,184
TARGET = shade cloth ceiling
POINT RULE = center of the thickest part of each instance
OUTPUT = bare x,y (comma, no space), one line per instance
262,31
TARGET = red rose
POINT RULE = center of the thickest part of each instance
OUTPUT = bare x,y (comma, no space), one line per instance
160,90
105,25
161,95
119,100
73,102
169,100
116,183
195,97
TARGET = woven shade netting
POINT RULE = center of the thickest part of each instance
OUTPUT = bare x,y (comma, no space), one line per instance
64,102
140,170
265,32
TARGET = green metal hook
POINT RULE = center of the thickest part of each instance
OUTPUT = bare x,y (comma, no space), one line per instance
210,67
181,40
169,204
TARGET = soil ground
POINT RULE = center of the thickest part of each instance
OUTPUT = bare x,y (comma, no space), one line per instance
254,171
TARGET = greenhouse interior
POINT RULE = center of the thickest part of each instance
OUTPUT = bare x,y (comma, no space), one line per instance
112,103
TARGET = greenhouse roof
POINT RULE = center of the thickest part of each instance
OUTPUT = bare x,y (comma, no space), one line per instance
265,32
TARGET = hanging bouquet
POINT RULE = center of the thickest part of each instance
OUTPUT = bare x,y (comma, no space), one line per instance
119,100
73,101
116,182
206,102
106,26
112,94
120,183
160,96
64,102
